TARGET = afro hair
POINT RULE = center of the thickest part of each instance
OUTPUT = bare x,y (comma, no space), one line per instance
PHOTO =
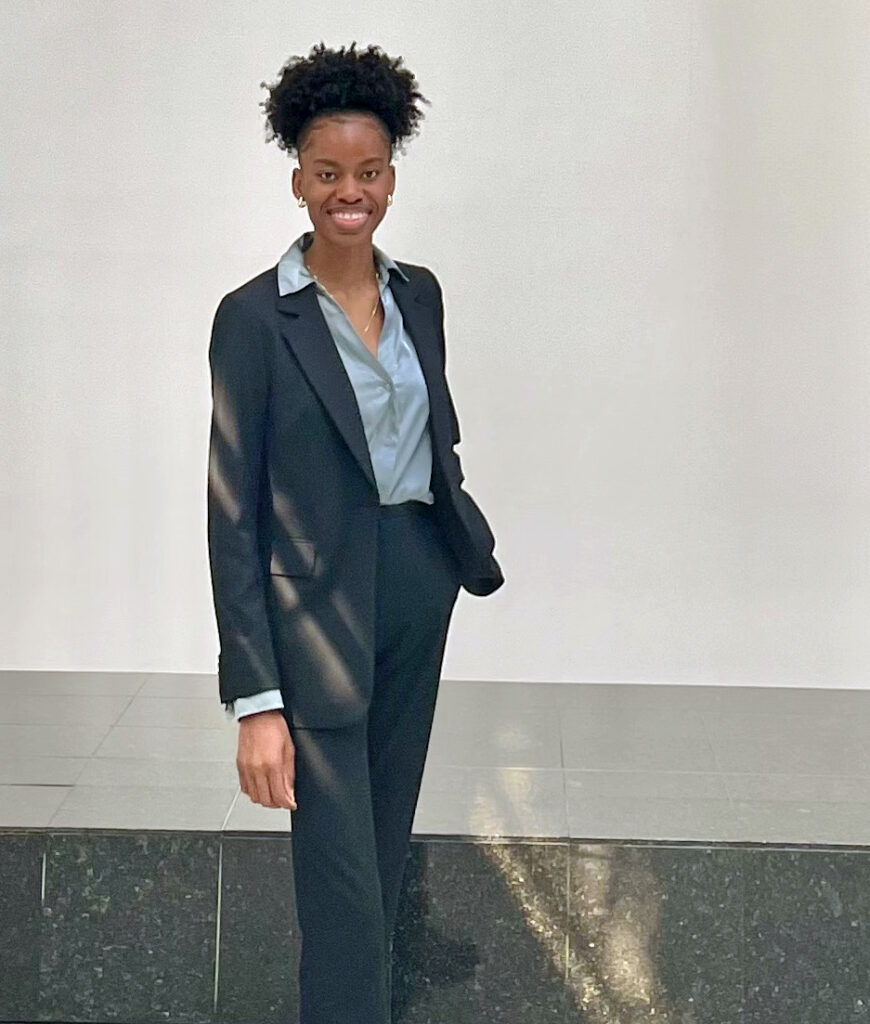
337,81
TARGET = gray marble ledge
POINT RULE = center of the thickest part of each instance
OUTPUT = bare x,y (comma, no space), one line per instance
566,760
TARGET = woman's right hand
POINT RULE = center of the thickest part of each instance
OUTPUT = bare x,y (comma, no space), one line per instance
266,759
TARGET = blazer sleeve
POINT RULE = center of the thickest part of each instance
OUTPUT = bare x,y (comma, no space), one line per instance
240,394
456,436
484,573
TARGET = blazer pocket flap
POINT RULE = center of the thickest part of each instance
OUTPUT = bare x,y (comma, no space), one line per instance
292,556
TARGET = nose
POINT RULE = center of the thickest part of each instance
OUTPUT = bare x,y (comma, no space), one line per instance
348,191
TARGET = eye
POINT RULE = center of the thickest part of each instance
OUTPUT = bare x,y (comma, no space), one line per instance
373,171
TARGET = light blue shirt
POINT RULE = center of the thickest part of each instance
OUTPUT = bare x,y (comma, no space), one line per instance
392,397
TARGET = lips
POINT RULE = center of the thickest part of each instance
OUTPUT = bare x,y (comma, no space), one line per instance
356,220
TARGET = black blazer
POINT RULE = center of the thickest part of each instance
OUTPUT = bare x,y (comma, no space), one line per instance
292,497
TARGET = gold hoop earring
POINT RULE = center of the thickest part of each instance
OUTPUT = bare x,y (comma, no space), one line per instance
389,200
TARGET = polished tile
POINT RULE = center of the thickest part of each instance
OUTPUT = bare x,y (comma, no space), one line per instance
176,712
124,927
30,806
143,771
491,802
247,816
520,739
633,740
535,759
632,785
62,709
827,821
648,805
38,683
143,807
795,744
595,818
57,740
201,686
485,697
797,788
779,700
675,698
169,743
657,697
41,771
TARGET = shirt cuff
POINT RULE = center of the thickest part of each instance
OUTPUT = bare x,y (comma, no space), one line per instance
268,700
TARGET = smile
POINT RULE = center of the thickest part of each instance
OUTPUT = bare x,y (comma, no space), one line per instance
346,217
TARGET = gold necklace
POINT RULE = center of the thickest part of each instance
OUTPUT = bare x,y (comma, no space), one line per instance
335,300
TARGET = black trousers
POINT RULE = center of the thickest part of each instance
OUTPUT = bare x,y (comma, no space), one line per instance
357,786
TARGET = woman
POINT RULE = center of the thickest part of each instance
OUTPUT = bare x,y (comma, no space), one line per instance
339,531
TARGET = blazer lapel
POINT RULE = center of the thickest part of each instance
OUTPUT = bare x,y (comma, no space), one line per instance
307,335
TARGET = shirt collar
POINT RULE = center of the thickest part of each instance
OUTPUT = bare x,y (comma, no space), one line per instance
294,275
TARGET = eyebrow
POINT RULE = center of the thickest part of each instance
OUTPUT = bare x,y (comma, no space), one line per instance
334,163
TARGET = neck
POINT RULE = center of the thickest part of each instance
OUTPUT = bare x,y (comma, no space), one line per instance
342,268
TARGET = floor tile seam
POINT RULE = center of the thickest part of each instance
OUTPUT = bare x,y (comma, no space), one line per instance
717,764
495,767
565,819
749,846
159,759
168,787
217,938
60,806
231,807
643,771
130,699
526,768
165,791
567,946
218,728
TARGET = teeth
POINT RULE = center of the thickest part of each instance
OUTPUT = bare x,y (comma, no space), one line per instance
349,216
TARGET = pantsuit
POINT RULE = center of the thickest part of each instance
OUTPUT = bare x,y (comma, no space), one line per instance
335,593
357,786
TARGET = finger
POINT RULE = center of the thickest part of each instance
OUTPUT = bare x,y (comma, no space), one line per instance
263,795
280,792
243,780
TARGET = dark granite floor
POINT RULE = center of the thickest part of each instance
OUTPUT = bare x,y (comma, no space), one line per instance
198,926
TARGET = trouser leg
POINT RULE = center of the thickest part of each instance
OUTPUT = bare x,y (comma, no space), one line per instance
343,965
357,787
417,590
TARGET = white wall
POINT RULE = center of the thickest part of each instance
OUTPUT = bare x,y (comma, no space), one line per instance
652,233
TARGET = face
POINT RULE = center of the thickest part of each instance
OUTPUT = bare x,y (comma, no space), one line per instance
344,165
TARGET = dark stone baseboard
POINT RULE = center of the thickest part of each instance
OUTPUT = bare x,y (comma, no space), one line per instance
141,927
